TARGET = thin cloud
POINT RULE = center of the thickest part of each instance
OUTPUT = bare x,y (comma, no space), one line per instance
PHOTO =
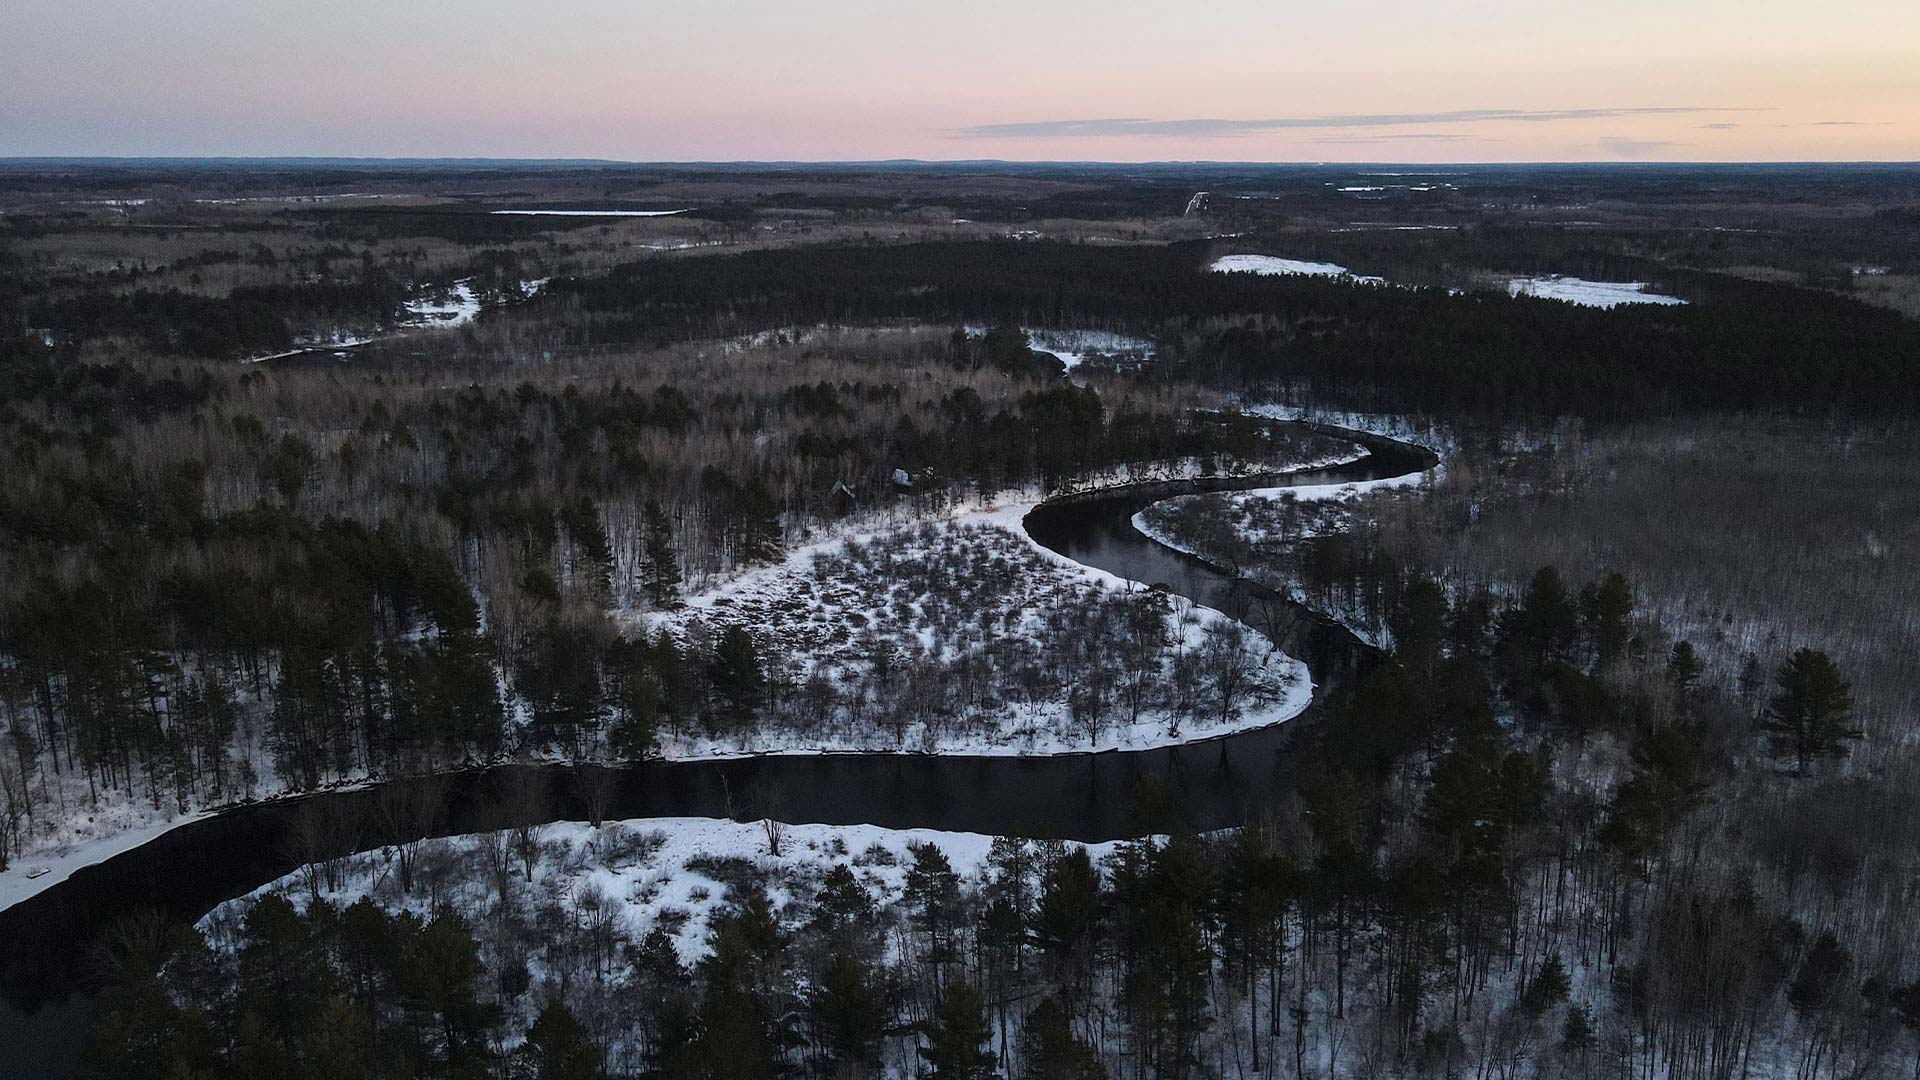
1216,127
1729,126
1436,136
1636,148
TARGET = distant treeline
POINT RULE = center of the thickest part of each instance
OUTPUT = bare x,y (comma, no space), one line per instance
1743,344
250,319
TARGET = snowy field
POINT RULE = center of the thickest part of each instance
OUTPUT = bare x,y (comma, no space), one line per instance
593,213
87,836
1075,347
1599,294
673,874
1238,529
963,636
1268,515
1273,266
434,308
454,306
641,888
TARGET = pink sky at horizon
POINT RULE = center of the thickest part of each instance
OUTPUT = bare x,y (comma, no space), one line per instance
1374,80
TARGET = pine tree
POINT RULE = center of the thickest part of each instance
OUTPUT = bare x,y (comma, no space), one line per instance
660,564
1545,625
843,911
738,680
845,1011
1809,717
759,521
955,1037
1005,346
1067,919
589,535
1576,1035
559,1048
558,673
307,703
455,696
1167,986
932,896
1548,988
636,728
289,467
439,977
1684,668
1050,1051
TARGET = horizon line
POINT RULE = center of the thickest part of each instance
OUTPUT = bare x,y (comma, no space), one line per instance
365,159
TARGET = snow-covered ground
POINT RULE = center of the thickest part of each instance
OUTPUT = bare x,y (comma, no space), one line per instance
1600,294
1076,347
83,841
972,592
439,309
1273,265
594,213
659,869
1264,517
240,200
336,340
456,306
1418,431
1378,226
119,824
1245,510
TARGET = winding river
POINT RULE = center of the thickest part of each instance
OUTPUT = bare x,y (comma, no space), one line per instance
46,960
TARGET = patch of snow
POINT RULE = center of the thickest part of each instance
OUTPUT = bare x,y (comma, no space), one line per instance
595,213
1419,431
1275,266
31,875
655,883
1598,294
1075,347
821,589
1380,226
336,340
239,200
456,307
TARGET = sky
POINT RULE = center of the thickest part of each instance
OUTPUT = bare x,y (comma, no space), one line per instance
1120,80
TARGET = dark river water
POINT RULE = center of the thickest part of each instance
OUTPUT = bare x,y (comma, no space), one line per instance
45,942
